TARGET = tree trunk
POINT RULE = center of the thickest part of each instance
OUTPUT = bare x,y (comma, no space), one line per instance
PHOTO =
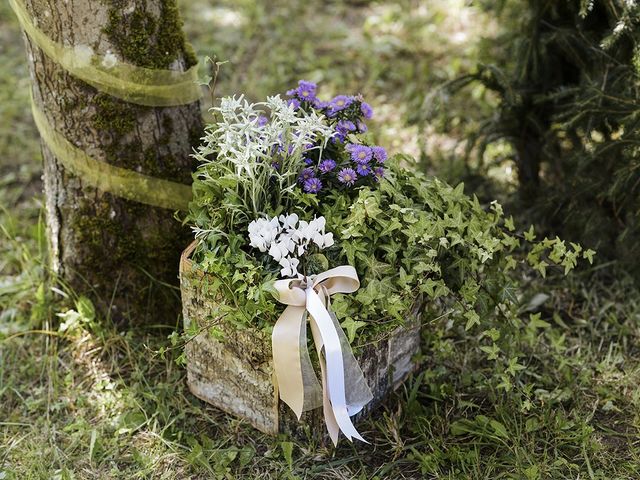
122,253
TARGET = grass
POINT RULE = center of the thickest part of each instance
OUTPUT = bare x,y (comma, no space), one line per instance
79,399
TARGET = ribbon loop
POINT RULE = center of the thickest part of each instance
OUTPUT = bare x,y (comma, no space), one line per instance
294,296
344,390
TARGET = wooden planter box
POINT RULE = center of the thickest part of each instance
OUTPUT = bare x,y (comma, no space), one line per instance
236,374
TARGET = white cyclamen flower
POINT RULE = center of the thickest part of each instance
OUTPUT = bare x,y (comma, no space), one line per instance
289,221
289,267
328,240
286,237
275,252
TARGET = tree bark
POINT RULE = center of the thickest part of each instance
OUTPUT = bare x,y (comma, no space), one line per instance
121,253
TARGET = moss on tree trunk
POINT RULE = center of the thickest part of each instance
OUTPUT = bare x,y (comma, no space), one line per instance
120,252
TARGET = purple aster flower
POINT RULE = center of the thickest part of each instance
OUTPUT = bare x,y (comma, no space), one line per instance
306,174
362,127
327,165
306,89
378,173
348,176
295,102
359,153
306,92
379,153
366,110
339,103
319,104
363,169
345,126
262,121
308,161
312,185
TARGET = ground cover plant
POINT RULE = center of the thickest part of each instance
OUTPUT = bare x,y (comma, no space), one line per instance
78,399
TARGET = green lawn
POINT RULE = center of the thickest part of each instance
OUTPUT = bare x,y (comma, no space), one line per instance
79,399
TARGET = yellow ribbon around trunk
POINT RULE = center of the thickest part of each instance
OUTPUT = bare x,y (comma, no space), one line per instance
344,390
118,181
107,73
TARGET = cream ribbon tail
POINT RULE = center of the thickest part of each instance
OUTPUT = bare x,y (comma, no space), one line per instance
344,390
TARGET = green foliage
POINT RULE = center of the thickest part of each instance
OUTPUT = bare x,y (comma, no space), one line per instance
568,78
414,241
565,405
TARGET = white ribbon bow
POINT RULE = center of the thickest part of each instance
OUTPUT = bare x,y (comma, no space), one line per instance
344,390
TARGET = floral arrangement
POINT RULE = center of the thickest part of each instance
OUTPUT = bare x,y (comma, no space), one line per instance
275,176
293,204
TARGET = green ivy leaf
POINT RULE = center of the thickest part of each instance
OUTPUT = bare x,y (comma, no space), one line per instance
492,351
530,235
508,223
351,326
535,322
472,319
588,254
541,267
514,367
434,288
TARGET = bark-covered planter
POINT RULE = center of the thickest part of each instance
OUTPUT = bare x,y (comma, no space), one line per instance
236,374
